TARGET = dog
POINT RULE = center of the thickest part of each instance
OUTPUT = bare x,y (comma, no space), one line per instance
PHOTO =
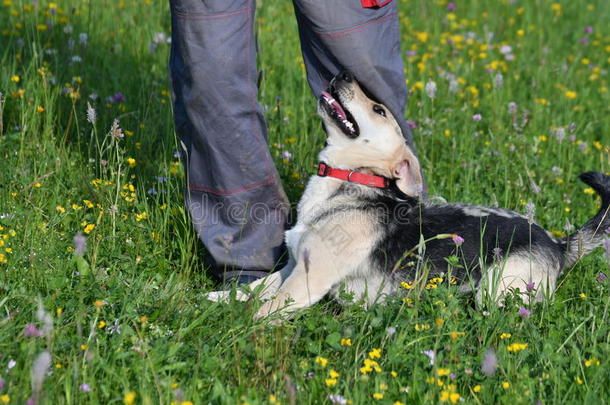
364,229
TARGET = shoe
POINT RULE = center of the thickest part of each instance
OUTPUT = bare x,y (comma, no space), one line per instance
239,277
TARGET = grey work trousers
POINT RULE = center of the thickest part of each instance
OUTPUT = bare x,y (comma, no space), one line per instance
233,193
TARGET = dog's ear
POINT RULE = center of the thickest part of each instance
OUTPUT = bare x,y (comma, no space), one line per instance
408,177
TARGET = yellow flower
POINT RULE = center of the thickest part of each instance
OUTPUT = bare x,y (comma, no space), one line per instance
191,402
5,398
556,7
505,385
15,78
40,109
592,362
272,399
394,373
476,388
89,228
378,395
88,203
505,336
131,162
333,374
515,347
129,398
321,361
41,27
375,354
3,258
455,335
570,94
346,342
142,216
383,387
406,285
578,380
101,325
441,372
439,322
99,303
84,347
330,382
398,403
59,311
582,295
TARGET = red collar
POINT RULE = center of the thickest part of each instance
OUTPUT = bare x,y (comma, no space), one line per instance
351,176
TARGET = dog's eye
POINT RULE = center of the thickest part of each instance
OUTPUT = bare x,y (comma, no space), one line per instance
379,110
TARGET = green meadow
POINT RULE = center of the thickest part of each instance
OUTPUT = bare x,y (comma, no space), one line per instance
88,149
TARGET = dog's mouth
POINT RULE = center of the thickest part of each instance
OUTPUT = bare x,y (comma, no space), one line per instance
331,103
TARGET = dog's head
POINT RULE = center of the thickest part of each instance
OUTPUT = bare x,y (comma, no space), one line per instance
364,135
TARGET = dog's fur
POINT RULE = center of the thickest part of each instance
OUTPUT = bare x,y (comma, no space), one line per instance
367,240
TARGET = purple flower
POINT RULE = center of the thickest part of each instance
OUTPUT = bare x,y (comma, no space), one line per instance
588,29
584,41
118,97
506,49
451,6
452,376
497,251
152,191
11,363
489,363
286,155
161,179
530,286
477,117
30,401
524,312
411,53
337,399
84,387
80,244
457,239
601,277
431,355
1,383
412,125
31,330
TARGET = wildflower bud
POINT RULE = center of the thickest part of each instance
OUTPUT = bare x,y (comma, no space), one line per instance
431,89
489,363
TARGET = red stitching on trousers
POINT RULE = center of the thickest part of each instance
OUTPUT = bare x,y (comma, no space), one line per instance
355,29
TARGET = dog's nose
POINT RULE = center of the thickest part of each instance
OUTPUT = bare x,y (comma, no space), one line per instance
346,76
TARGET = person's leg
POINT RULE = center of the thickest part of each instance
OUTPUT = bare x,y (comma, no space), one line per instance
342,35
233,193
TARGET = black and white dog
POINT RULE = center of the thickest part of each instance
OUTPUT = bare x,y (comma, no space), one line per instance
362,227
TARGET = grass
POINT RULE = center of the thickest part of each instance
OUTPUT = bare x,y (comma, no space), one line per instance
128,317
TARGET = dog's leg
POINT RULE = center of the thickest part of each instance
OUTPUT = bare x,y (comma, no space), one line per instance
519,271
313,277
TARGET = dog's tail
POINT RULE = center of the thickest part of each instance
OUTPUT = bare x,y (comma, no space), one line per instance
591,234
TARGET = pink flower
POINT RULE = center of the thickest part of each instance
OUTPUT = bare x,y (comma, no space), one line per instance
530,286
457,239
31,330
84,387
524,312
601,277
477,117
